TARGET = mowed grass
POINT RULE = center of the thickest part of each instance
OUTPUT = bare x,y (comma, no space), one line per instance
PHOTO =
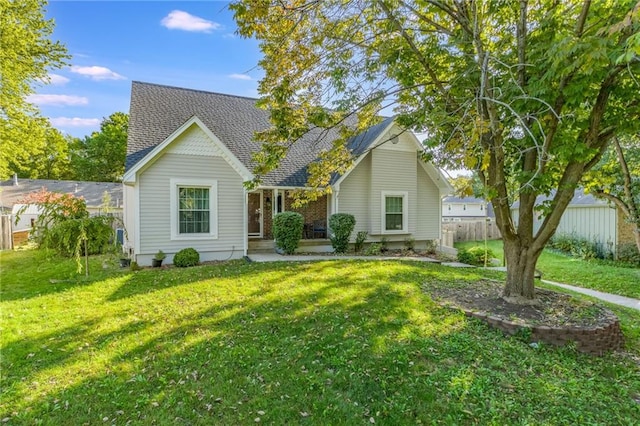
595,274
330,342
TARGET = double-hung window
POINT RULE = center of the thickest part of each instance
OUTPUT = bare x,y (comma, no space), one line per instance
394,212
193,209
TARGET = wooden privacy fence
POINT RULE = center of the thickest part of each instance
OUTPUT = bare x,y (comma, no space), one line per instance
472,230
6,240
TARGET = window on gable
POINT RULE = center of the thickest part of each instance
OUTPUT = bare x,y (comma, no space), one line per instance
193,210
194,207
394,205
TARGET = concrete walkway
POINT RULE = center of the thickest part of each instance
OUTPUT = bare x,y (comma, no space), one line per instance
607,297
274,257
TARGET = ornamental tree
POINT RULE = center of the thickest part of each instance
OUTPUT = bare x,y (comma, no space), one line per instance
54,207
527,93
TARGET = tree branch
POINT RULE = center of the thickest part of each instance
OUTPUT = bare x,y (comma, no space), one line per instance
615,200
421,58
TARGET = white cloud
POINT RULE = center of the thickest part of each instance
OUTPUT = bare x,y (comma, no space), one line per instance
97,73
57,100
240,77
180,20
74,122
55,80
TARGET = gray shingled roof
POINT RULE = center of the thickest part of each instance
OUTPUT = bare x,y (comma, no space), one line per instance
92,192
580,198
157,111
462,200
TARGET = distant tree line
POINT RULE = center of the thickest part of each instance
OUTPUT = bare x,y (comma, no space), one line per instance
29,145
97,157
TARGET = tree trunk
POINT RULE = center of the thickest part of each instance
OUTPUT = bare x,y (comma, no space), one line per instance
636,234
521,267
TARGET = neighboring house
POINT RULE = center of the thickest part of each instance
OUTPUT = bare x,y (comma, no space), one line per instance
591,218
189,153
456,209
13,190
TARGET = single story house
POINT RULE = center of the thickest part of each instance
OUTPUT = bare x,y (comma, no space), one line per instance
12,191
457,209
591,218
189,153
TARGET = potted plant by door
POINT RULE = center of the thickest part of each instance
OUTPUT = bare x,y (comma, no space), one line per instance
156,262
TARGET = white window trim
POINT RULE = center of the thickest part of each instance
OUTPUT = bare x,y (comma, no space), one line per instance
405,212
212,185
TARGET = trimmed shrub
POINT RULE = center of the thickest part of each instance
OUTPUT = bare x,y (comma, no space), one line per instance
287,230
186,257
361,237
477,256
341,225
374,249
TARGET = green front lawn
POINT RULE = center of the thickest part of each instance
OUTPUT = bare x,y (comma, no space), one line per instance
331,342
597,275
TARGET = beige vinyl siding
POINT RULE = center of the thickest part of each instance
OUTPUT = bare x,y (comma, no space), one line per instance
393,170
428,220
354,195
155,208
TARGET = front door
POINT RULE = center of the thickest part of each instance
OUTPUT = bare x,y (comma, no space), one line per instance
255,214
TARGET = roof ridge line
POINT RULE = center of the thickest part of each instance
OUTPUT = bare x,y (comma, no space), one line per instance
193,90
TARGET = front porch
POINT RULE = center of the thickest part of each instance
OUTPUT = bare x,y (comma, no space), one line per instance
264,204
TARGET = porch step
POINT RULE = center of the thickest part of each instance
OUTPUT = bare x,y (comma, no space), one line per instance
261,246
268,246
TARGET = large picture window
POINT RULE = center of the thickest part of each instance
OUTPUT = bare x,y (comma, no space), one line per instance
193,209
394,212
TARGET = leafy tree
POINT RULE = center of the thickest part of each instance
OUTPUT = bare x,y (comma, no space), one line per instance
617,179
101,156
53,161
26,55
468,185
526,93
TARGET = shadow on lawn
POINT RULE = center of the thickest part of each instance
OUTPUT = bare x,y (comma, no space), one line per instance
314,342
41,273
152,280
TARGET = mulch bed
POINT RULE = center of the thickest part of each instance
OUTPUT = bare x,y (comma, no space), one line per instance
552,309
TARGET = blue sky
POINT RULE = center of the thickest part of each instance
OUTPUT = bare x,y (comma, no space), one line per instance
178,43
